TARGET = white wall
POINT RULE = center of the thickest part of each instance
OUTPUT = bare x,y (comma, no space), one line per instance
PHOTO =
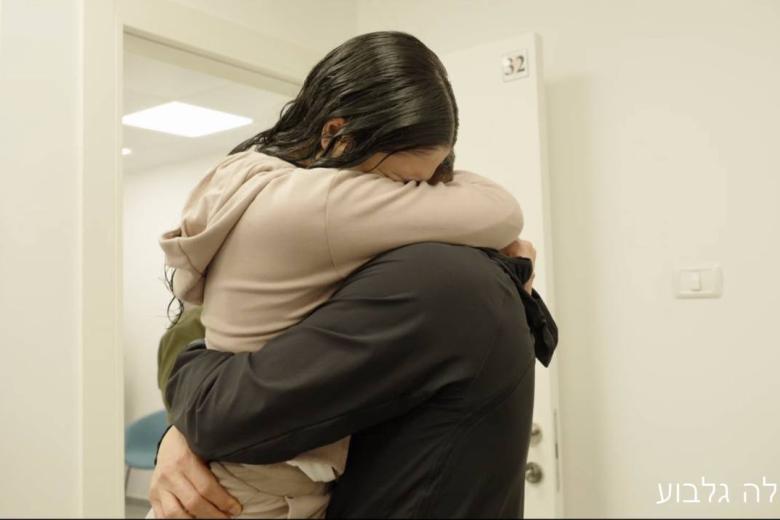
663,127
313,24
39,247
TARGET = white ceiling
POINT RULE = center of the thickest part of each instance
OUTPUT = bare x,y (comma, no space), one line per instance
149,82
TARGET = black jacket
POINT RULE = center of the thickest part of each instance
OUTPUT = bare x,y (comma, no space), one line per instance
425,356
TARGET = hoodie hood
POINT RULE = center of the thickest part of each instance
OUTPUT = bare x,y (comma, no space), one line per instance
212,209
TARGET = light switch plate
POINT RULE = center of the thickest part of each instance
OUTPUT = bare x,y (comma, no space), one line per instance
699,281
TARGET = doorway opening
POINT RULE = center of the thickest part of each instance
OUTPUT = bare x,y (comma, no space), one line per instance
182,113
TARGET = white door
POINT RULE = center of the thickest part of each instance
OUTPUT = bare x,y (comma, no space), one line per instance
499,90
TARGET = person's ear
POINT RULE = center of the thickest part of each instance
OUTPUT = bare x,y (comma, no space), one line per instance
329,129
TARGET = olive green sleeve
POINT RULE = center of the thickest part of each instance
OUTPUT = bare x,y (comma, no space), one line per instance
174,341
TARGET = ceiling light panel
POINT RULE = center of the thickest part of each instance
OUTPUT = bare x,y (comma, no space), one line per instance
185,120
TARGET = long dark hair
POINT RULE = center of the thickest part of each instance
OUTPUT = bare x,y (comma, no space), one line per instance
393,93
391,89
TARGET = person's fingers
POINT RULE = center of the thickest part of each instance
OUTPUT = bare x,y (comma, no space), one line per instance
529,285
154,493
528,250
157,508
519,247
171,507
195,504
206,484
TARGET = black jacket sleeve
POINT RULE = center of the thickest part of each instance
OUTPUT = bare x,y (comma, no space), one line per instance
403,327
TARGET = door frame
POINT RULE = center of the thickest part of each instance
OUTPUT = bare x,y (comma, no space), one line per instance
283,64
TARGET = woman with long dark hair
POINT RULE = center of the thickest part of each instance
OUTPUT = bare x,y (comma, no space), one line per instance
360,162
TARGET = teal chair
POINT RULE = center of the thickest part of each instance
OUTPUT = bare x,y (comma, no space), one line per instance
141,438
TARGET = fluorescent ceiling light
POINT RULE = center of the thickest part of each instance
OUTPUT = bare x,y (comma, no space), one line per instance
184,119
126,151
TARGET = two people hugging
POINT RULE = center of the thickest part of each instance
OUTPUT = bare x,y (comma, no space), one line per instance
359,327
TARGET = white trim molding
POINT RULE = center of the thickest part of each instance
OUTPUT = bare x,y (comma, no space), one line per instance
102,400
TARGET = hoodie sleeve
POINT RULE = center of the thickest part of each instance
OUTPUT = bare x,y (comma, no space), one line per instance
368,214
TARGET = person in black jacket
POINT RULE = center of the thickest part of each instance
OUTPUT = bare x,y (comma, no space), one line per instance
425,356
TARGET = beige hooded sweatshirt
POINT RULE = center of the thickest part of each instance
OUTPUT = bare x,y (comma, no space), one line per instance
262,242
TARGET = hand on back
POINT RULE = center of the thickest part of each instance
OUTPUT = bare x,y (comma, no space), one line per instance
523,249
183,486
